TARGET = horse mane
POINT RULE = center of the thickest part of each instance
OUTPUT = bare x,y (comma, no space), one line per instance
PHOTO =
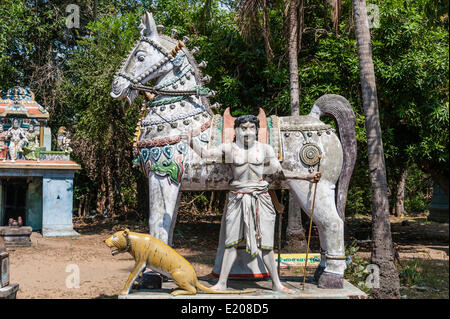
194,64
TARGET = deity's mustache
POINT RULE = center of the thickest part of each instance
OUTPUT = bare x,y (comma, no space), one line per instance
248,137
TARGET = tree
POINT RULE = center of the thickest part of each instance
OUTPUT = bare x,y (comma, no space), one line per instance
295,19
293,47
400,194
411,58
382,251
248,21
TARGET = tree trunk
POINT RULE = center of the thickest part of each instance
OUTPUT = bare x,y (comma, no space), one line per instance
295,233
266,33
86,205
80,206
400,196
110,190
293,56
211,201
300,26
101,197
382,251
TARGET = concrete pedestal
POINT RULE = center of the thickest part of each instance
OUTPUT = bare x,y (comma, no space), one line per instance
57,206
9,292
263,291
16,237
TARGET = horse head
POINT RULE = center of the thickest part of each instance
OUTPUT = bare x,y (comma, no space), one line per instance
147,60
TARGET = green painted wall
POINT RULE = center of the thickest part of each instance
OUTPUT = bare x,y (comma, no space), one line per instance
34,204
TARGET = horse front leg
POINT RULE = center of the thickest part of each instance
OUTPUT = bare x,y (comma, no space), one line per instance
330,273
164,198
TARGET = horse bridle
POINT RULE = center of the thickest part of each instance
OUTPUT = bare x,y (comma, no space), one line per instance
151,92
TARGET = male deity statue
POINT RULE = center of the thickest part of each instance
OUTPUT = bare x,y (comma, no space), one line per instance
250,214
3,146
17,138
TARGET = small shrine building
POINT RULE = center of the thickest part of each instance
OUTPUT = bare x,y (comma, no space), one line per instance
36,182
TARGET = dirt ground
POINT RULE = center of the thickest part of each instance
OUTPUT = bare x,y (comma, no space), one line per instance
416,237
46,269
43,270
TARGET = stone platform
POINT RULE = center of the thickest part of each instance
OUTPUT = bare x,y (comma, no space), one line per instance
16,237
263,287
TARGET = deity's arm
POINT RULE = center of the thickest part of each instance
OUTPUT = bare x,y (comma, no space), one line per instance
272,165
213,152
23,137
313,178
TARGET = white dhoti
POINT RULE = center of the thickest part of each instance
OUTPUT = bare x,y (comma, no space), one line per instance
250,216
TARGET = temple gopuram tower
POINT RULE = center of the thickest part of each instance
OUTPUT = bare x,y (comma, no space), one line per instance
36,182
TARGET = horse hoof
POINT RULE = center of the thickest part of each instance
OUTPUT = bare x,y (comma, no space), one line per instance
331,281
319,271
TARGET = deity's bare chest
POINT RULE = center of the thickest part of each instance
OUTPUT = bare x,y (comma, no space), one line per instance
253,156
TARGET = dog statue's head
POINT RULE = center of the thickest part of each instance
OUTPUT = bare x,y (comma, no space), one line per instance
118,242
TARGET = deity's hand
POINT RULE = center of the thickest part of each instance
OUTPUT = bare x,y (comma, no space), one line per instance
316,177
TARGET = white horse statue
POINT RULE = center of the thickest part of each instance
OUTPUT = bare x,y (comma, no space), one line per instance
178,102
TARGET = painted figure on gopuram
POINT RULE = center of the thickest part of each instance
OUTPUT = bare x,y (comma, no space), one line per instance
16,137
33,147
3,146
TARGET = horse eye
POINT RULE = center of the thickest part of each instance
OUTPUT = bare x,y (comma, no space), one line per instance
141,58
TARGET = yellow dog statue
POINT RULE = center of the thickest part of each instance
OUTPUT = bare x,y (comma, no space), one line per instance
150,252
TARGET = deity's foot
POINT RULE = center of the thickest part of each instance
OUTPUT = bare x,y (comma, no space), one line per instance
219,287
283,289
319,271
330,280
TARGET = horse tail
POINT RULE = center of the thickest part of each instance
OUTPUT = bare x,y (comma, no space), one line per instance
340,109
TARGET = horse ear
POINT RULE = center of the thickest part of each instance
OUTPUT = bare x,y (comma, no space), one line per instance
125,232
148,25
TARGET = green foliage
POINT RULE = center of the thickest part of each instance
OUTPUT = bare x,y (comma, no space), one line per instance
424,278
411,65
356,272
410,274
412,75
418,191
